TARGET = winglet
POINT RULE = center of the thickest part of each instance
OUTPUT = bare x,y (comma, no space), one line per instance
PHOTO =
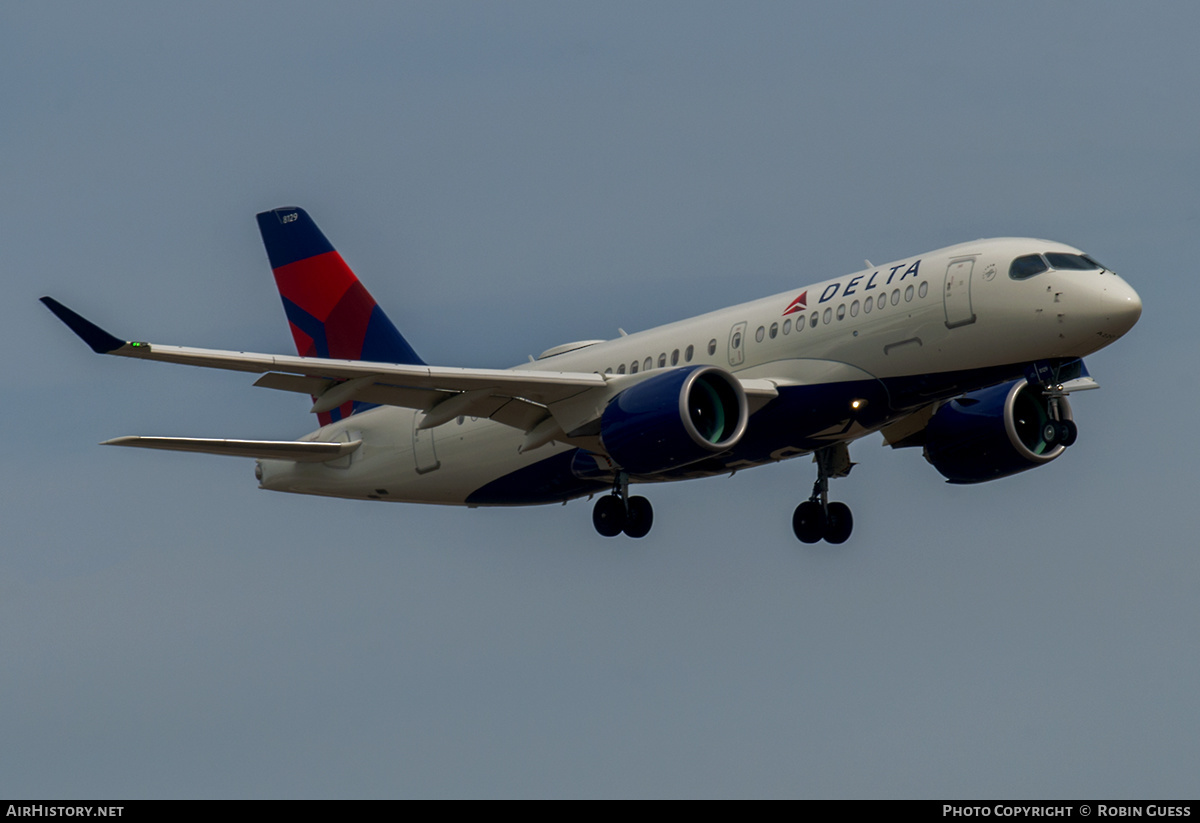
101,341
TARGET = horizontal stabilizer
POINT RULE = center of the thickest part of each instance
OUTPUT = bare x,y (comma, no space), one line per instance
295,450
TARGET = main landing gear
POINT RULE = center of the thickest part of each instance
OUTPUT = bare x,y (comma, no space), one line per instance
817,519
618,512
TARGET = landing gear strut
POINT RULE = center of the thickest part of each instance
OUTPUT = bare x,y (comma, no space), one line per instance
1065,432
1059,429
817,519
618,512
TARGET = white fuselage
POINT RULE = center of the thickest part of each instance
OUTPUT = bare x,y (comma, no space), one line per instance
951,311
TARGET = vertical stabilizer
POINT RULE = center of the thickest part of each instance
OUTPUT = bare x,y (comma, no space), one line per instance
329,311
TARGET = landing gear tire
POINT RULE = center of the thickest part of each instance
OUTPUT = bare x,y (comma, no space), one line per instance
840,523
609,515
1050,432
808,522
817,519
1067,433
639,517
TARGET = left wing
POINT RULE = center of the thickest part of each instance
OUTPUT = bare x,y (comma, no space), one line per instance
475,392
546,405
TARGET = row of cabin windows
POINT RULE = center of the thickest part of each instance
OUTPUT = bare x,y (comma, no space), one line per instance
854,307
648,363
866,306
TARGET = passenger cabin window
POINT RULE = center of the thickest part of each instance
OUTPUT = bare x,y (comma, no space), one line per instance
633,367
1025,267
687,354
648,365
621,369
712,346
662,360
675,358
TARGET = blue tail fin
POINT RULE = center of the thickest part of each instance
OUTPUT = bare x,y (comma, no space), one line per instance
330,313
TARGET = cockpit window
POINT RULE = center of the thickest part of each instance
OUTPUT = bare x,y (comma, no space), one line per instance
1027,266
1071,262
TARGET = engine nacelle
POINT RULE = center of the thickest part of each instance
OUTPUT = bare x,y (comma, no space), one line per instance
674,418
994,433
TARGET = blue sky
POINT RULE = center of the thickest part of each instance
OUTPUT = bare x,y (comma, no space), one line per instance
507,177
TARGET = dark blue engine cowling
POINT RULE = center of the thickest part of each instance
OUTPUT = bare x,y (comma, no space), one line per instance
992,433
674,418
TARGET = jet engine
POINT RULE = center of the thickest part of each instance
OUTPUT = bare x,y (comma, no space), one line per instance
996,432
674,418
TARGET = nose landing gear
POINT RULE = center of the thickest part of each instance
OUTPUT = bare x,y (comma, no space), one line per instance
817,519
1065,430
618,512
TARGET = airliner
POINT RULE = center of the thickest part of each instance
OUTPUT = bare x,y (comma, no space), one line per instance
967,352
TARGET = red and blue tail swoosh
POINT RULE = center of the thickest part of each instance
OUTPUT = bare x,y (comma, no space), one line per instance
329,311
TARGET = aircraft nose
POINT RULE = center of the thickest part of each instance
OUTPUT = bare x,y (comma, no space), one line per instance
1120,306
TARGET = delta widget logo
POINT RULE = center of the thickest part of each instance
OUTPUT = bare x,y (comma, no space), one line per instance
799,304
